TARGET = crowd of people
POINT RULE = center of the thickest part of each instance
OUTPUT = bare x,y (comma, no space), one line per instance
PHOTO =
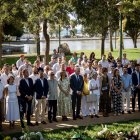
78,87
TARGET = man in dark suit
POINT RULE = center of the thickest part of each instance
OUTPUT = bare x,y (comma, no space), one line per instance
41,88
26,90
136,86
76,84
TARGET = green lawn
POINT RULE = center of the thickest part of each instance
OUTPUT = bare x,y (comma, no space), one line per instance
89,132
132,54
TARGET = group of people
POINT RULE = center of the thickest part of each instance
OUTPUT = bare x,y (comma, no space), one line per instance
78,87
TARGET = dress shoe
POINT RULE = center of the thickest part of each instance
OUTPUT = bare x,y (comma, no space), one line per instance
55,120
91,116
122,112
129,112
37,123
30,124
74,118
96,116
79,117
43,122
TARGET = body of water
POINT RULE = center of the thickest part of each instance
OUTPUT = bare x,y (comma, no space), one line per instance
76,45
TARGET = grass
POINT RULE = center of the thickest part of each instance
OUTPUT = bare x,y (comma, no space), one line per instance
132,54
89,131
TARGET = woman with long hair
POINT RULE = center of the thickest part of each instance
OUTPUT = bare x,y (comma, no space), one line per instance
116,91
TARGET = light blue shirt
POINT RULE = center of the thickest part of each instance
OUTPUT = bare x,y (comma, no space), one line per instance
127,80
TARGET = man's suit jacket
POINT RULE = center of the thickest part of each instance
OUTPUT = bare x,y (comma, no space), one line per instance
26,89
76,85
135,80
41,90
130,70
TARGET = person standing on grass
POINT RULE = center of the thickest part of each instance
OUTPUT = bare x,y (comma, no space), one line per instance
26,90
126,92
64,96
76,84
84,104
52,97
105,104
136,87
116,91
41,88
94,88
12,107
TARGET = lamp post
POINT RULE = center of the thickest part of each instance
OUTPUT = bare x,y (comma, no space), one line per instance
120,6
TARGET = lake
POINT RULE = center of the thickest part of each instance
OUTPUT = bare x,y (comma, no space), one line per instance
79,44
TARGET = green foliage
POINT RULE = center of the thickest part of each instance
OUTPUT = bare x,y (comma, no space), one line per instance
13,29
131,11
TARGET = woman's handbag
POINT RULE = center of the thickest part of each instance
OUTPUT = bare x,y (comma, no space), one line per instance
92,97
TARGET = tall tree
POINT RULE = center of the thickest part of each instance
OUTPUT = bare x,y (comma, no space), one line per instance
131,10
97,16
46,12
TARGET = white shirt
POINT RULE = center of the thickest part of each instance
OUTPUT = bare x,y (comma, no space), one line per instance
4,78
19,63
34,77
17,80
15,72
104,63
120,71
125,62
92,84
25,66
56,67
57,75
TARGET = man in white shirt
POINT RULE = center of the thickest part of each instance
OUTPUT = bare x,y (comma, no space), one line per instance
104,62
4,75
56,67
125,61
34,74
27,66
20,61
119,67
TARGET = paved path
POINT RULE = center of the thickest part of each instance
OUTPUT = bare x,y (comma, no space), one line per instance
71,123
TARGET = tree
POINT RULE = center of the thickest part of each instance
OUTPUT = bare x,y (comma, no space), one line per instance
13,29
97,16
131,11
10,12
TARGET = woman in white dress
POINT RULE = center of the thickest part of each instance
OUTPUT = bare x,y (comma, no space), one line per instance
12,107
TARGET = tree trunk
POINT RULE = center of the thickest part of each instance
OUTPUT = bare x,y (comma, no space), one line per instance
135,41
110,39
103,43
47,39
38,43
1,37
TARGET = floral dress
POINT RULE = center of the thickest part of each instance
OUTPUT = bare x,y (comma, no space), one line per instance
117,97
64,101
